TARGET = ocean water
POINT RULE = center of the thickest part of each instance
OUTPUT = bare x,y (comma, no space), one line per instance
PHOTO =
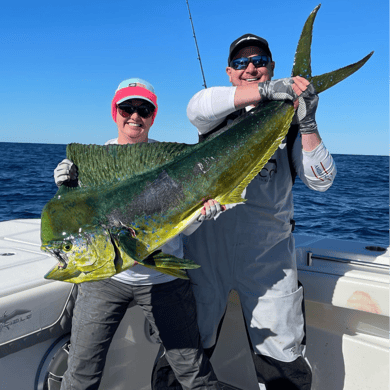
354,208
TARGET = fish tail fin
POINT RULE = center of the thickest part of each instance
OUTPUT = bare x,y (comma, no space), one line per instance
327,80
302,61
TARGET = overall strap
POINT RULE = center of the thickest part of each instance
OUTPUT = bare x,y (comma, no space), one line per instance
291,137
231,117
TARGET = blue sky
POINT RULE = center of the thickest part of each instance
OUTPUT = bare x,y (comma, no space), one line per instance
61,63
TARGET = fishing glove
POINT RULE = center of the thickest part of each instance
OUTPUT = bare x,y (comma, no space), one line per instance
65,173
308,102
211,212
280,89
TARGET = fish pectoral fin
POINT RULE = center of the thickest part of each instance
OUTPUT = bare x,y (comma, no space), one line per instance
158,261
162,260
131,246
125,247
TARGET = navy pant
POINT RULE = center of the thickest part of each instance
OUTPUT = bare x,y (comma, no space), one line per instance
169,307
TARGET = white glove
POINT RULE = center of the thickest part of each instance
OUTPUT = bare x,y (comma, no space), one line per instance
211,208
65,171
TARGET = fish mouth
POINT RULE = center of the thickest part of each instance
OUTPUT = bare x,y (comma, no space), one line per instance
62,262
62,259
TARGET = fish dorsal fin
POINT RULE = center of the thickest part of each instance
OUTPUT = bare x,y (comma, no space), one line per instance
302,61
100,165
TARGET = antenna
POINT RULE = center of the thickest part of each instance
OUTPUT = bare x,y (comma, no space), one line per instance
196,44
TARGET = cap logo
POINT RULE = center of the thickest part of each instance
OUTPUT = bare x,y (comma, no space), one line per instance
246,39
137,85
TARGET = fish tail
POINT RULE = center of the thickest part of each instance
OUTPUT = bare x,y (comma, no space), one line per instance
302,61
327,80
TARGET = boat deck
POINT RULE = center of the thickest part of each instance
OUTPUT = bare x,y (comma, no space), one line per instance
347,312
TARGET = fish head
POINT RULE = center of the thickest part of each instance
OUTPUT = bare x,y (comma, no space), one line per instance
84,251
66,214
83,257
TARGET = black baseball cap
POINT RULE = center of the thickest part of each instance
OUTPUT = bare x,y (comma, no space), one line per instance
248,40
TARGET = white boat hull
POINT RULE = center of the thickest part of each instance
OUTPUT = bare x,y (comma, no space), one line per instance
347,314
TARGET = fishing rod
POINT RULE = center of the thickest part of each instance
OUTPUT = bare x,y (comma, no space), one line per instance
196,44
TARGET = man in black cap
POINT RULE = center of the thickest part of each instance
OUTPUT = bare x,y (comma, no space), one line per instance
251,248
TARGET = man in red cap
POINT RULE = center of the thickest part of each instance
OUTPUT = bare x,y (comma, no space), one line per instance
167,302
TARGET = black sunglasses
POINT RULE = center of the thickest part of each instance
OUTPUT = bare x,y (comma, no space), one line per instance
243,63
145,110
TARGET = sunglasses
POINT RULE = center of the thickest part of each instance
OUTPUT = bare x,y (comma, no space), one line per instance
243,63
144,110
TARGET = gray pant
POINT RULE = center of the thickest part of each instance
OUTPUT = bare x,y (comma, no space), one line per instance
169,307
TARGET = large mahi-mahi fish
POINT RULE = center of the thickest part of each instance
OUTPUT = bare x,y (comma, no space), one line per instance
132,199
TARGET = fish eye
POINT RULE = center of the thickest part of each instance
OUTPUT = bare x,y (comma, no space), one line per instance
67,246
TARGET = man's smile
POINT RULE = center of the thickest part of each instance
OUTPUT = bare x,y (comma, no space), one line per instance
252,79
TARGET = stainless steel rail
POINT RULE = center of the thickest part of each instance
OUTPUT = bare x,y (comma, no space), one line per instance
311,256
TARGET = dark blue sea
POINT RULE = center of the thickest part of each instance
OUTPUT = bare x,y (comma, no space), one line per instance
354,208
